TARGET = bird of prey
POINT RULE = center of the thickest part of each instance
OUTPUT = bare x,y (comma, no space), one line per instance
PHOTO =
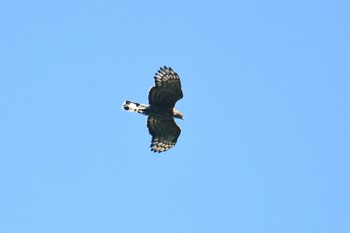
161,110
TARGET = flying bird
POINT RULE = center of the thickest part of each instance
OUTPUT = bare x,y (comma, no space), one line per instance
161,110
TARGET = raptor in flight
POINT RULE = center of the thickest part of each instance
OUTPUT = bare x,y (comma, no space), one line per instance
161,109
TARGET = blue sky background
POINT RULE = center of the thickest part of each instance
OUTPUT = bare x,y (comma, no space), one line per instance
265,143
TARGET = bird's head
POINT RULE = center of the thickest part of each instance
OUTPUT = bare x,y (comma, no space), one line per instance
177,114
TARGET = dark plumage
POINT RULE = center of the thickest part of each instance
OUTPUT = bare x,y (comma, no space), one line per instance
161,109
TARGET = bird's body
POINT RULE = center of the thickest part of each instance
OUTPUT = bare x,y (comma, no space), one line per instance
160,110
147,109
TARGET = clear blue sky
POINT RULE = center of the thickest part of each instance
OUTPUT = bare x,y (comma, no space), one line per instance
265,144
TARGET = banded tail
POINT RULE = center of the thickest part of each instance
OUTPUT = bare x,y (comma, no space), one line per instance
134,107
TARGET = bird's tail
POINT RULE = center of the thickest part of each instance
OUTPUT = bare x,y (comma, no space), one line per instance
134,107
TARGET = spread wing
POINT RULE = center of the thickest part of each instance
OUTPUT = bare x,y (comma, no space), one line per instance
164,131
167,89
